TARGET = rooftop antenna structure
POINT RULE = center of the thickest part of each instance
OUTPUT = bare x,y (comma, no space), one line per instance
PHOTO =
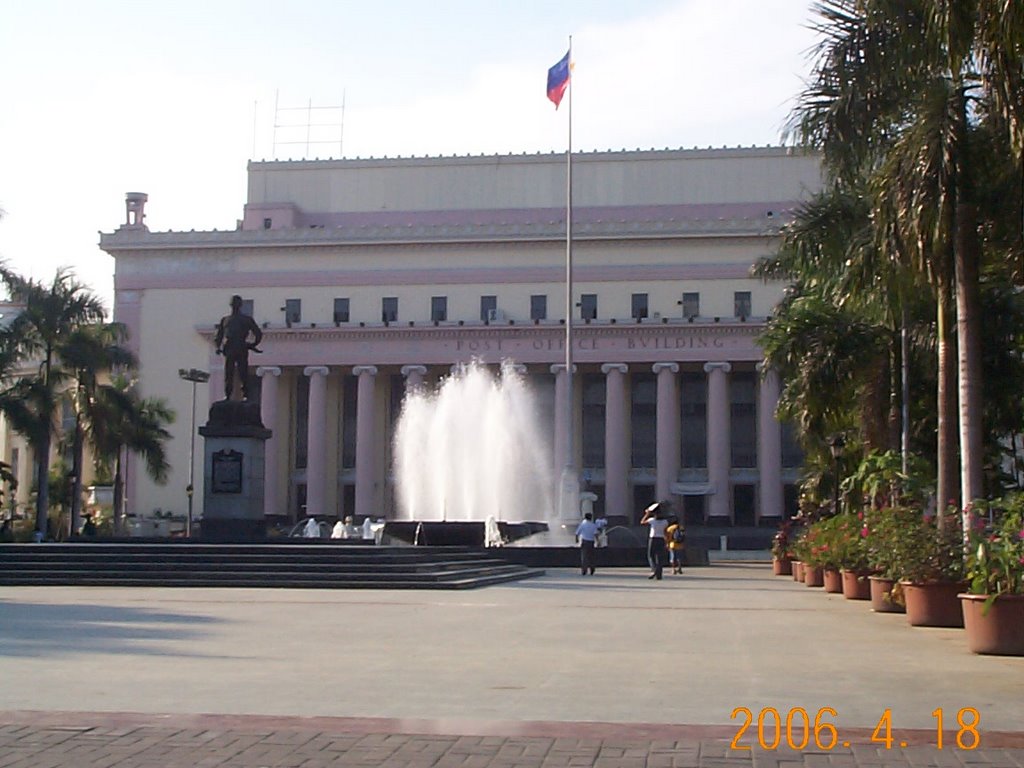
293,122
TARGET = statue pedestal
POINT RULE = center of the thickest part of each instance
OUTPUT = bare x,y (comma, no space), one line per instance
233,465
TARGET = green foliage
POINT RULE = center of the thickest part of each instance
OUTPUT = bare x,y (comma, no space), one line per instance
905,544
995,562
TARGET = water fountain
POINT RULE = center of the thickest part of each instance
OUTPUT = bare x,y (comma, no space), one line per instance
471,455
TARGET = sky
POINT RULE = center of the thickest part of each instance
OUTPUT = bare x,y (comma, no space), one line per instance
100,98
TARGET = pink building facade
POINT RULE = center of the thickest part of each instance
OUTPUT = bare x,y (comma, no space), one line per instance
370,277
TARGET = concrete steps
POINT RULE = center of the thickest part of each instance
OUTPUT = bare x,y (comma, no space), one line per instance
289,565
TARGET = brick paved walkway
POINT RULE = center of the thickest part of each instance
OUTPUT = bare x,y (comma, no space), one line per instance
556,672
112,740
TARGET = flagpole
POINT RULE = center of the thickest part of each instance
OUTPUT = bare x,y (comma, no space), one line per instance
570,481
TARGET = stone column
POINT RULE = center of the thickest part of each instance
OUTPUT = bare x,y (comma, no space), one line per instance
413,376
667,439
268,415
316,444
719,443
616,442
769,445
366,444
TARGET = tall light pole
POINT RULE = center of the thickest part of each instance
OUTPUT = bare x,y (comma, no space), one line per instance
196,376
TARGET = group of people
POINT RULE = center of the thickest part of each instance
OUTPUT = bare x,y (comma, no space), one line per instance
666,535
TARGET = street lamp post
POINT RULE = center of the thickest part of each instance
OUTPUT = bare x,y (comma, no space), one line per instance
196,376
836,443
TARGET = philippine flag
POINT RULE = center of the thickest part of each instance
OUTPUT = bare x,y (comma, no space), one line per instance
558,80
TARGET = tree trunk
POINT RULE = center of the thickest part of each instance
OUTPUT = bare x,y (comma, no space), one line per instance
948,486
76,472
43,484
118,493
968,316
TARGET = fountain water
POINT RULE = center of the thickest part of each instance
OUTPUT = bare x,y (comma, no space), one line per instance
473,449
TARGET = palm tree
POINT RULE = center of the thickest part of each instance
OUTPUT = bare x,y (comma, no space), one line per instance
125,423
51,314
895,87
89,352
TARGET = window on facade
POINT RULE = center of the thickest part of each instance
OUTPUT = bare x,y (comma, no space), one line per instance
639,306
488,307
743,418
593,409
741,304
293,311
588,306
301,421
693,394
438,308
538,307
389,309
792,453
268,223
341,310
349,396
691,304
248,307
644,420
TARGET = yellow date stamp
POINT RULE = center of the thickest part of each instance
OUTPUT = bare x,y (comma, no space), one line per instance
798,730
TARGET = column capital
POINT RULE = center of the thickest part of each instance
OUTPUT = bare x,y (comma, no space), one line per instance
315,370
607,368
359,370
723,367
407,370
764,366
671,367
268,370
519,368
560,368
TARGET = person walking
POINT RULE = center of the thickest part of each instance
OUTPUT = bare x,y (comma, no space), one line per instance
586,535
654,518
675,539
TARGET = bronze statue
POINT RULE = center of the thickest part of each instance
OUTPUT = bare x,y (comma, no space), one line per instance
233,330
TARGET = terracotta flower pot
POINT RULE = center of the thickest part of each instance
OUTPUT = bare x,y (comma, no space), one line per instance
856,586
798,571
880,601
814,576
933,605
782,567
833,581
998,631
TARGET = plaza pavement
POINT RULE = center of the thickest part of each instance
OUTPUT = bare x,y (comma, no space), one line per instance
612,670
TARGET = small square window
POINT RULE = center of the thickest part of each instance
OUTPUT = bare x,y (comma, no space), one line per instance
741,304
488,308
268,223
539,307
292,311
588,306
691,304
389,309
639,306
438,308
341,310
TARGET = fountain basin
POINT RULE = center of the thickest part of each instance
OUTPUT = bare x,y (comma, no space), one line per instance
457,533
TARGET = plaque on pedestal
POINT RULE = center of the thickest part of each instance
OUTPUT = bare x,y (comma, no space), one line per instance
233,465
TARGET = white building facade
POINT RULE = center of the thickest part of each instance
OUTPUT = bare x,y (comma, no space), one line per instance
372,276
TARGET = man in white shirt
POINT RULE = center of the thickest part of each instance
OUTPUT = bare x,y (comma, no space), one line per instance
586,535
654,517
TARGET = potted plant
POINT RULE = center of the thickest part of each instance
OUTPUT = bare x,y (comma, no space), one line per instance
852,555
813,552
993,606
782,555
880,527
929,560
